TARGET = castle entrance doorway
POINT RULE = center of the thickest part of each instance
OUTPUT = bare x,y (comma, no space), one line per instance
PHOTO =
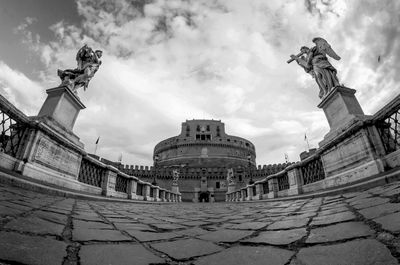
204,196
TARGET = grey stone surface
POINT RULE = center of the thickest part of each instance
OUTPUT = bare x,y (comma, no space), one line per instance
381,210
390,222
121,254
84,234
35,225
241,255
288,224
31,249
186,248
280,237
338,232
333,218
150,236
249,225
357,252
225,235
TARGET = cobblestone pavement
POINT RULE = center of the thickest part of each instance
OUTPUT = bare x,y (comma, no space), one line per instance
355,228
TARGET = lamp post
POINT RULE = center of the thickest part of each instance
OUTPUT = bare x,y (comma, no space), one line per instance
156,158
251,176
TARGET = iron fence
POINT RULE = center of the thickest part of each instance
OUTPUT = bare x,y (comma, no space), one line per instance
313,171
121,184
91,173
283,182
389,131
12,133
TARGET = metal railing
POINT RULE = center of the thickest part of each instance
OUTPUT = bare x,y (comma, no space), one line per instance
283,182
389,131
91,173
312,171
121,184
13,125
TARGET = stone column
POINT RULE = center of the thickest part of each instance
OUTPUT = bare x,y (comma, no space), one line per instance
156,194
146,192
273,187
295,181
249,193
132,186
162,195
108,182
260,191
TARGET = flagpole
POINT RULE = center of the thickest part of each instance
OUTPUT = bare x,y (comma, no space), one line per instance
97,142
308,144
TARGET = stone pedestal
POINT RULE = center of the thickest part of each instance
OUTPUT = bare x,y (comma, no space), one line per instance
62,106
175,188
295,182
341,109
231,188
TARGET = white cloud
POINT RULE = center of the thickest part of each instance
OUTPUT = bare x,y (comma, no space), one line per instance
168,61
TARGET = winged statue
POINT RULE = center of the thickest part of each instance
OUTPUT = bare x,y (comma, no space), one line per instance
315,62
88,63
229,176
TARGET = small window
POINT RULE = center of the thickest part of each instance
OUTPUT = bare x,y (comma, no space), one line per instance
240,178
198,128
217,185
208,128
203,137
208,137
197,136
228,140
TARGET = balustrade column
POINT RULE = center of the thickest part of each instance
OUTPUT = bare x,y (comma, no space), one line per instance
273,187
109,180
260,191
131,189
295,181
146,192
249,193
156,194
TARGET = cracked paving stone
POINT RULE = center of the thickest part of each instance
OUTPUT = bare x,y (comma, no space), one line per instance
357,252
249,226
240,255
195,231
287,224
369,202
84,234
169,226
390,222
78,224
31,249
339,232
186,248
377,211
52,217
9,211
282,237
35,225
150,236
119,254
333,218
133,226
226,235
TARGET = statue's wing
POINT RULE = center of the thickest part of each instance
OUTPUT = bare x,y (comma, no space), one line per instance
324,47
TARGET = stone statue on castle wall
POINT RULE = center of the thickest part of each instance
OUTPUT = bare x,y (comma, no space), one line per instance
88,63
230,176
314,61
175,176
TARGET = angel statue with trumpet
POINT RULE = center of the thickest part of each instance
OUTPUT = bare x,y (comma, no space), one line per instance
315,62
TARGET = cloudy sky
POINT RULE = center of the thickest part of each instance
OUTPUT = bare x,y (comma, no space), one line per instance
168,61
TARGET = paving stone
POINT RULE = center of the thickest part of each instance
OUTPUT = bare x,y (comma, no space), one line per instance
338,232
35,225
79,224
186,248
280,237
83,234
120,254
250,225
333,218
7,211
52,217
357,252
333,210
31,250
287,224
241,255
169,226
390,222
226,235
195,231
133,226
377,211
149,236
369,202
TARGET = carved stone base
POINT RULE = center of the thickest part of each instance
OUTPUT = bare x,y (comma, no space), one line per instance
61,105
341,109
175,188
